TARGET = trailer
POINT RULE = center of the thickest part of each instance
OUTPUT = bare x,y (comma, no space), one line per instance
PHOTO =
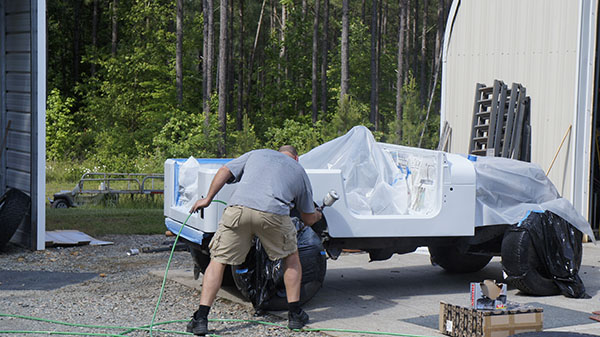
394,199
97,187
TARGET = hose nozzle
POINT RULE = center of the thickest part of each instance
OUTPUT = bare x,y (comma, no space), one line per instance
330,198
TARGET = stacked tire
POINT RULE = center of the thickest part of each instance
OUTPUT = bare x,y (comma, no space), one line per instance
525,268
14,210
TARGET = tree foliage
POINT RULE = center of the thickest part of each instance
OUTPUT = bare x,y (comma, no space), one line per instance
121,111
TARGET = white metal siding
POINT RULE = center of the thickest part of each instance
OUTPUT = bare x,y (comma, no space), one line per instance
533,42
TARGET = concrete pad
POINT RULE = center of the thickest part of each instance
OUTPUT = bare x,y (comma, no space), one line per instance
402,295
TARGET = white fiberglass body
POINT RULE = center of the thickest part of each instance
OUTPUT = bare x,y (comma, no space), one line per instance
386,191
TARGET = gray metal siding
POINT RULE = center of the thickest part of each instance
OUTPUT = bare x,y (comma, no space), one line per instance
18,96
18,63
18,104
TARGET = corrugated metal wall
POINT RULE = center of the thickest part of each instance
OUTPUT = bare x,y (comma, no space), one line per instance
535,43
21,165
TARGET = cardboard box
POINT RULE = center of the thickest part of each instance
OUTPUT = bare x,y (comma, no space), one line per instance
461,321
488,295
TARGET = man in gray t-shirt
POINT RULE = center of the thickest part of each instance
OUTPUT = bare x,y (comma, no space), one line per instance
269,184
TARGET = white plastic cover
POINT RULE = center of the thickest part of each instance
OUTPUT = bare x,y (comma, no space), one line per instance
380,181
508,189
375,182
188,182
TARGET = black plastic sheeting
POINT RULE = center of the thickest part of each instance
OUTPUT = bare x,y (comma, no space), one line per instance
14,209
261,280
558,246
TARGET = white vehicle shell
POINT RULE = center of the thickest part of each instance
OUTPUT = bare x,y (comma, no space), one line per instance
451,196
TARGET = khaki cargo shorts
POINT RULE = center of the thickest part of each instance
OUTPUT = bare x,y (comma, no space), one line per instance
233,239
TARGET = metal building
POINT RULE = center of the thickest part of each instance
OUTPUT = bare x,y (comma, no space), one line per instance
550,47
23,110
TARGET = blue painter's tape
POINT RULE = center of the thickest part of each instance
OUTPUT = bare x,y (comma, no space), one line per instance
176,184
206,160
323,252
187,232
527,216
241,271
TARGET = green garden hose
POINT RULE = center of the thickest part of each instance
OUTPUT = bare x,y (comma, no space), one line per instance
146,328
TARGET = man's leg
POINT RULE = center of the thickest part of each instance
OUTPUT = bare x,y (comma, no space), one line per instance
292,278
211,283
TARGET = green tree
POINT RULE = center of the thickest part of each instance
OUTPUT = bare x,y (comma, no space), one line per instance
62,139
131,98
349,113
413,119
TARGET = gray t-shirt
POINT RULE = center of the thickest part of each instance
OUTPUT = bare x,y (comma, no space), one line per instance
270,181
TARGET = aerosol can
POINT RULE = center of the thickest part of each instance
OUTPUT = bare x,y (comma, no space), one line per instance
330,198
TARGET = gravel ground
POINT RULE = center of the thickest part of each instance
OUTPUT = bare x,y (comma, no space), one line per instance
122,293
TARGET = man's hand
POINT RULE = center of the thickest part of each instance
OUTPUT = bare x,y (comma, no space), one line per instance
311,218
200,204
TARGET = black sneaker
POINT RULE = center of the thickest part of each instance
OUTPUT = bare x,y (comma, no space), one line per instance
198,326
297,321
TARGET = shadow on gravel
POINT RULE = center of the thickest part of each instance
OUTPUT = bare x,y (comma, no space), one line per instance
40,280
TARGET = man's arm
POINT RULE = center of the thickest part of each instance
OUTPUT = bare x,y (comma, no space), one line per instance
310,219
221,178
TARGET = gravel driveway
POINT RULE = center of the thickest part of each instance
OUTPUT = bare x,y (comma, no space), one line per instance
107,287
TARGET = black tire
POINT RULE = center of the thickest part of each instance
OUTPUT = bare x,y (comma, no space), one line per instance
314,266
60,203
523,267
201,261
14,208
454,261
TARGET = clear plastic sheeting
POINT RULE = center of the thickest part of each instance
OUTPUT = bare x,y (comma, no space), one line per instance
187,184
379,179
388,179
508,189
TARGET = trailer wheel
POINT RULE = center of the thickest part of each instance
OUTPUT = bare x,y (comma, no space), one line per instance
201,261
60,203
453,261
523,266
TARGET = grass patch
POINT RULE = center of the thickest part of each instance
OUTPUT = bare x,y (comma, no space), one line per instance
100,221
100,214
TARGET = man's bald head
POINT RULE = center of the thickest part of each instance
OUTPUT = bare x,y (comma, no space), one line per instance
290,151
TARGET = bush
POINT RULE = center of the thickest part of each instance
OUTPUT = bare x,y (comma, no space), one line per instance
303,136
